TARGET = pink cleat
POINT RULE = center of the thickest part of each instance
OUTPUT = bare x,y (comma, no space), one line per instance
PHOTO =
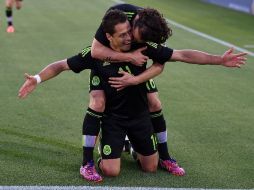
89,172
10,29
172,167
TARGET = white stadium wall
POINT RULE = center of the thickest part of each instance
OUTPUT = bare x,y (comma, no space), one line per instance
239,5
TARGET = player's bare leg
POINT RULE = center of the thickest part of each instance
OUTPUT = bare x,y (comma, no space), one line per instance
148,163
18,4
110,167
9,13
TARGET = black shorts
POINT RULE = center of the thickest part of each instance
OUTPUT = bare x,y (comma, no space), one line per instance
139,131
96,84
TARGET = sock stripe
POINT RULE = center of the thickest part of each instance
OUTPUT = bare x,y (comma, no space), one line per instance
162,137
89,141
154,115
93,114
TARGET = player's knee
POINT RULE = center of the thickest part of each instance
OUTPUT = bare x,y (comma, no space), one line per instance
97,105
154,104
97,102
18,4
150,168
9,4
110,171
149,163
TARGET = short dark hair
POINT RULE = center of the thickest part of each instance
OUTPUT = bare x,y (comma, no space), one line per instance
153,26
111,19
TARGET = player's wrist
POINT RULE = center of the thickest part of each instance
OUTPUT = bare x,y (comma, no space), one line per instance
37,78
136,80
218,60
128,57
222,60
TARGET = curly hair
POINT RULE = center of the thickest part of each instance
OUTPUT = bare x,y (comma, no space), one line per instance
152,26
111,19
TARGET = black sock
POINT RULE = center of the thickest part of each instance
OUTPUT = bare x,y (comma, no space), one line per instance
87,154
163,151
8,13
159,126
91,129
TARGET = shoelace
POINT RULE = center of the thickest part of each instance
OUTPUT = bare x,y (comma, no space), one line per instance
171,164
90,170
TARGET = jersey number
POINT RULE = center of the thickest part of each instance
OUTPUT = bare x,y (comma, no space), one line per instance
154,140
126,68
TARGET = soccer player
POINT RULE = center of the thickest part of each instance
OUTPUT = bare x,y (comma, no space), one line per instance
153,27
9,4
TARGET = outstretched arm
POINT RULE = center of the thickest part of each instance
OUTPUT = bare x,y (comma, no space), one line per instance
47,73
99,51
228,59
127,79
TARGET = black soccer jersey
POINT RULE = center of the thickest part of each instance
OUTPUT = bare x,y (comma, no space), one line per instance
131,12
130,102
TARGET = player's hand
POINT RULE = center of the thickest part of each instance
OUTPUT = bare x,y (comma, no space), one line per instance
137,57
122,82
29,85
229,59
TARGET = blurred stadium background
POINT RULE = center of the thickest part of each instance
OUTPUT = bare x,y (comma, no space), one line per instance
209,109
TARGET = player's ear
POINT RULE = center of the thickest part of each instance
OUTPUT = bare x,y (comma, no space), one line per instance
109,37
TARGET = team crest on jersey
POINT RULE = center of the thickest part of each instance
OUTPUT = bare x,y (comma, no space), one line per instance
107,150
95,81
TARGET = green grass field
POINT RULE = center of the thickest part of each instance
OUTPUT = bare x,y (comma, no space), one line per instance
209,109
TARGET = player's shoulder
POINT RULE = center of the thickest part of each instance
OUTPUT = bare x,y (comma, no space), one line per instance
86,51
152,45
86,55
155,46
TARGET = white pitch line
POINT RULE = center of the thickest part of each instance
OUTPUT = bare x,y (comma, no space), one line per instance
119,1
227,44
206,36
96,188
249,46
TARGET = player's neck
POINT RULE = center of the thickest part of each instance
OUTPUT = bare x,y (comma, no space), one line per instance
117,49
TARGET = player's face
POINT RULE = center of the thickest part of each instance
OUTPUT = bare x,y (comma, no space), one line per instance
121,39
136,32
136,35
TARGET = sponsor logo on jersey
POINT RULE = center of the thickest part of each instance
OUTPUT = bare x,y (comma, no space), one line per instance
105,64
